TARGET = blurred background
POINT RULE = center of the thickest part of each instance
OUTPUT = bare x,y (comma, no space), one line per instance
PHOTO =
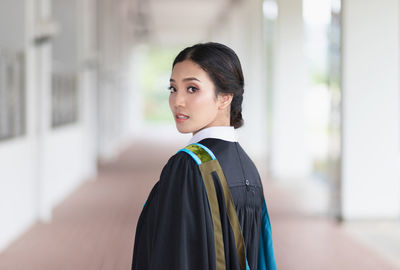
85,125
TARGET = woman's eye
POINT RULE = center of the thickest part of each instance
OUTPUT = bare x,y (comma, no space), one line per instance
171,88
192,89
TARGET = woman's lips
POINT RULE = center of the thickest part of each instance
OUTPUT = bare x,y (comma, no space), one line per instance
180,117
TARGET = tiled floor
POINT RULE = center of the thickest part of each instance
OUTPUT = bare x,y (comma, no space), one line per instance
94,227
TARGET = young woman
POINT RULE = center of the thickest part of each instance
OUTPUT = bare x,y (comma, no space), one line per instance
181,226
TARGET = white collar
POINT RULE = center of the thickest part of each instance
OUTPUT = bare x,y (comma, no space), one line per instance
226,133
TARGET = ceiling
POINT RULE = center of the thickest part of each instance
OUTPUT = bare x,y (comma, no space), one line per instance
176,22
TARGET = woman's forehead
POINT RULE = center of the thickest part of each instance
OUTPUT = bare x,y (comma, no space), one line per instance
188,70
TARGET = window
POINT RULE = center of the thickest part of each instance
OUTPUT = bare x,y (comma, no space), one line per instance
65,100
12,94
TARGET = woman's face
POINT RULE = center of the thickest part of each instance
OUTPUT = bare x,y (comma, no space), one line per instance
192,99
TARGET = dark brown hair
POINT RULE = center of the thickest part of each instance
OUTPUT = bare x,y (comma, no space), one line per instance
223,66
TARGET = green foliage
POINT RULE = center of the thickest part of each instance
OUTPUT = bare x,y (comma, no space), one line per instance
319,76
155,81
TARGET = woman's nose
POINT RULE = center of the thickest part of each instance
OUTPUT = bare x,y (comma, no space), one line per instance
179,99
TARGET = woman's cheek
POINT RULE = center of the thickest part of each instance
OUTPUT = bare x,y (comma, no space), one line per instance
170,99
199,101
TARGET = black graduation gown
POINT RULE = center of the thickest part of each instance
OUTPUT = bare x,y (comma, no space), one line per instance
175,229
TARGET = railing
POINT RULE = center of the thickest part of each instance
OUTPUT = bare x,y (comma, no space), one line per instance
65,99
12,94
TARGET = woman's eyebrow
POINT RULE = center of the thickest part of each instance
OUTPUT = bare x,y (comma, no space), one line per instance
186,79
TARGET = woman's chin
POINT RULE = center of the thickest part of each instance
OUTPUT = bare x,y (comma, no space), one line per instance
183,129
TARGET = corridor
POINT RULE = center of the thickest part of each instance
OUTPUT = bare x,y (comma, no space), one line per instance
94,227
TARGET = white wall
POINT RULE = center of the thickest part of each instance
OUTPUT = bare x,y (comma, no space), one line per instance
65,44
66,149
39,169
17,181
370,131
17,189
65,160
12,24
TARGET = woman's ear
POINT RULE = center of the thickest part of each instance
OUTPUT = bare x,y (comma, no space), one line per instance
224,100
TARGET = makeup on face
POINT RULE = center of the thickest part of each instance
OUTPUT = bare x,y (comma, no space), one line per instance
192,97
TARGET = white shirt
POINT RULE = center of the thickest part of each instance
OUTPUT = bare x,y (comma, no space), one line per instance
226,133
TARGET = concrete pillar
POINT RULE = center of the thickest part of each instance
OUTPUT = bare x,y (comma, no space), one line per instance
87,58
115,91
43,67
255,97
370,128
289,155
136,109
241,28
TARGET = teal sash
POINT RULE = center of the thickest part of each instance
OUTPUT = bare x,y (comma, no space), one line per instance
266,258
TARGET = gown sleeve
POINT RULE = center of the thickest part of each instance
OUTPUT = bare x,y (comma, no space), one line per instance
174,230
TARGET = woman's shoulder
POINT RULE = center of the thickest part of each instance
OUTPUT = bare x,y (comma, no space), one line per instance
247,157
249,164
179,167
180,158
